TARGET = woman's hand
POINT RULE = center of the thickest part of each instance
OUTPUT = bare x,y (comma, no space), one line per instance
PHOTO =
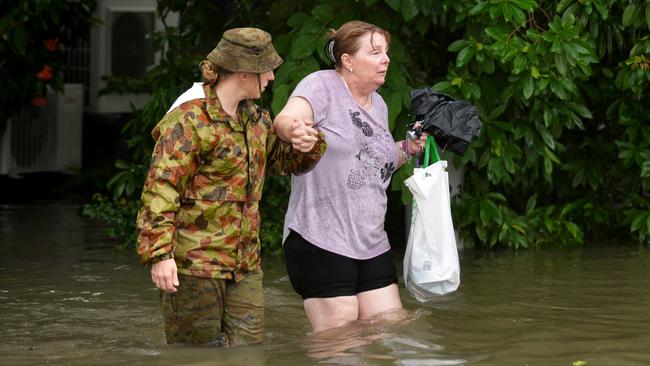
416,147
297,108
302,135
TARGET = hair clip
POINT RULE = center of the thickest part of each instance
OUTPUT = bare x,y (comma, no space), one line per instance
329,49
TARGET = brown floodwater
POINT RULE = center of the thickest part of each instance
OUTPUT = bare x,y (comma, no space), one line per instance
67,297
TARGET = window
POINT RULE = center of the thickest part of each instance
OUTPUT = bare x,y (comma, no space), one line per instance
132,51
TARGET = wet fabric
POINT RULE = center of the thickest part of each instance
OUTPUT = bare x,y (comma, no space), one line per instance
215,312
318,273
200,202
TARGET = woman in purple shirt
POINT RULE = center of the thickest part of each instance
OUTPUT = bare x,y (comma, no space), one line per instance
336,249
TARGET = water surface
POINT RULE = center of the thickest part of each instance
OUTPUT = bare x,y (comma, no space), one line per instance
68,297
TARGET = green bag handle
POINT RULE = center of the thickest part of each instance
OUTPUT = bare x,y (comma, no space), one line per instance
430,152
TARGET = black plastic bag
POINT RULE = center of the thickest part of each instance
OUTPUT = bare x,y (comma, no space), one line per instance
453,123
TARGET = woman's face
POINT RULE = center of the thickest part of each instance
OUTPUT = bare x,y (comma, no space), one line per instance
370,62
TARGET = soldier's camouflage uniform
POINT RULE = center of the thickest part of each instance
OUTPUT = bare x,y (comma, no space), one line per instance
200,202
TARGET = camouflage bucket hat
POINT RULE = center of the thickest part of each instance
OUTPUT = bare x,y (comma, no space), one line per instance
245,50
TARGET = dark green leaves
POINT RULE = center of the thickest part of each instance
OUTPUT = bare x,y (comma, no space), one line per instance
324,13
303,45
409,9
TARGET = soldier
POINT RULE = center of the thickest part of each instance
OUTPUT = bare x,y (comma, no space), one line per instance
199,222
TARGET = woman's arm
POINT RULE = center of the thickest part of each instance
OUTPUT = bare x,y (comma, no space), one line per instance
296,109
304,148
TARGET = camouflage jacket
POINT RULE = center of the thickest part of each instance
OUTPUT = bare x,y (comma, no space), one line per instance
201,194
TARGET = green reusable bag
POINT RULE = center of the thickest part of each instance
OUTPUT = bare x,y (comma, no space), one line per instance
430,152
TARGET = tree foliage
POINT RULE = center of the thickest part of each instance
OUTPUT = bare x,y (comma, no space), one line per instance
561,88
33,37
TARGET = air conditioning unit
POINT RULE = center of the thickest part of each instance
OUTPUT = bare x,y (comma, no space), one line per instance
45,139
119,47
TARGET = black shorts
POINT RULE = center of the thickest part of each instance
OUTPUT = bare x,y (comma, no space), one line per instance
315,272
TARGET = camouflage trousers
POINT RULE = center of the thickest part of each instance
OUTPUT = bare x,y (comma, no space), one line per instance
215,312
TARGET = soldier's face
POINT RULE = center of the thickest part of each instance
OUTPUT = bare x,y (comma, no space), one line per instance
255,87
265,78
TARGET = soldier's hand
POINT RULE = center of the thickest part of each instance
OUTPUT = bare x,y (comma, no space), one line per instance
165,275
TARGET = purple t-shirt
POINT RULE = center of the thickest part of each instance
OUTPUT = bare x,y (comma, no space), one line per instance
340,205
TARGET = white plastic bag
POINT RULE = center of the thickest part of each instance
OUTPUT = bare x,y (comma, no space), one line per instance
431,265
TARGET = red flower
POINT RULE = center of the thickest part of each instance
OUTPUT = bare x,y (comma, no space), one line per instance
45,74
39,101
52,44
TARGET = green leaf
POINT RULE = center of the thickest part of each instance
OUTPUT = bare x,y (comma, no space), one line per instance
556,46
297,19
395,4
546,136
571,50
647,15
528,87
566,209
475,90
282,43
497,112
548,167
496,32
638,221
311,26
324,13
280,97
457,45
573,229
551,155
507,10
558,90
549,116
394,103
303,46
519,64
519,16
530,205
562,5
578,178
534,72
495,11
121,164
645,169
506,126
370,3
568,85
629,14
116,180
409,9
423,24
478,8
464,56
560,63
496,196
581,110
442,86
